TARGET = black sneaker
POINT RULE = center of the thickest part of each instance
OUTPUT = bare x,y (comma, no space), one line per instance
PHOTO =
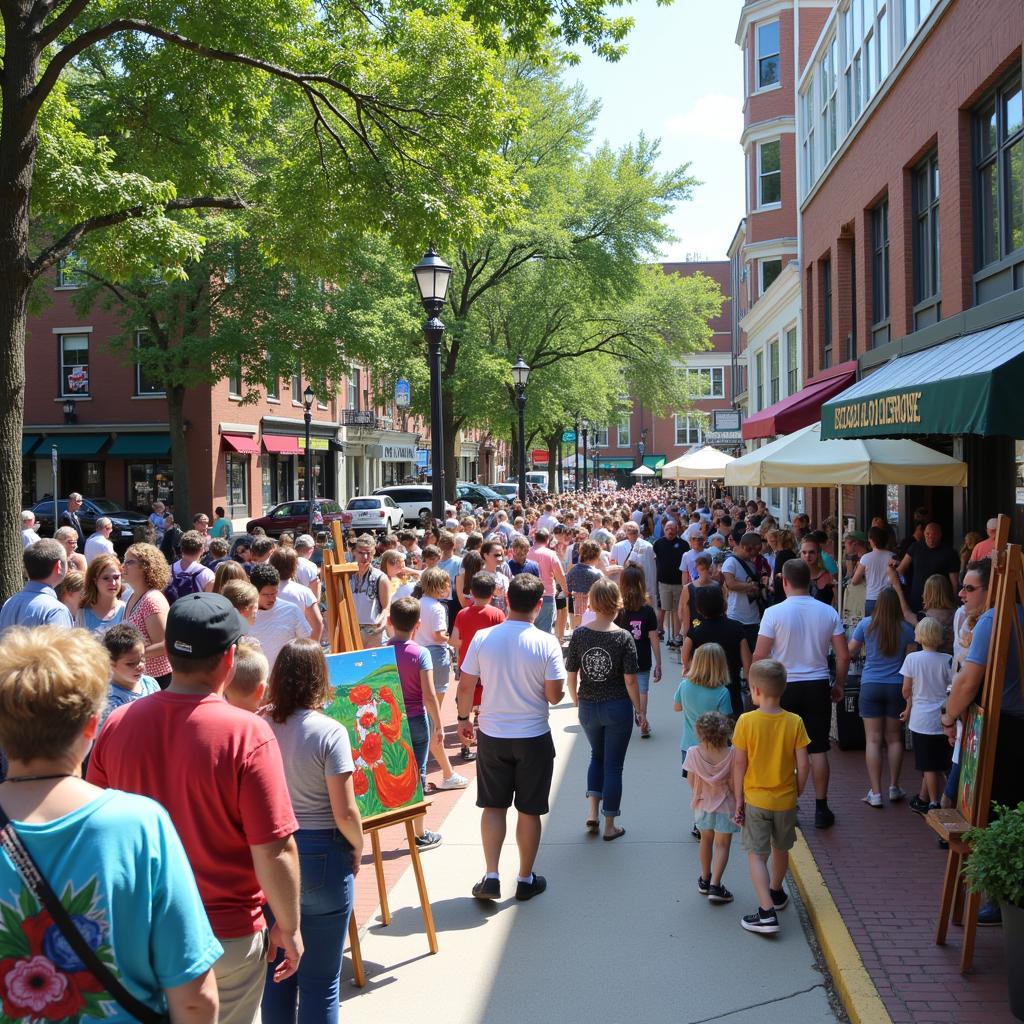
764,921
703,885
487,889
919,806
527,890
428,840
719,894
824,818
780,898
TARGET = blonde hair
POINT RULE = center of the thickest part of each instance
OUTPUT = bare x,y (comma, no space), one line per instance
73,583
605,598
435,582
937,592
769,676
251,667
52,681
389,559
152,564
708,667
97,566
713,727
929,632
241,593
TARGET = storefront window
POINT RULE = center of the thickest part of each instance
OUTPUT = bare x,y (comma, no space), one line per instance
148,482
236,472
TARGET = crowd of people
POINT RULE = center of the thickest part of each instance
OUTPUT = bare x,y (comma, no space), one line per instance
195,665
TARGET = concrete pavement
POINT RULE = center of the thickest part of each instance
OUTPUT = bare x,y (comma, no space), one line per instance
620,935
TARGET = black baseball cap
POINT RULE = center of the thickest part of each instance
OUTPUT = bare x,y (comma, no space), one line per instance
202,625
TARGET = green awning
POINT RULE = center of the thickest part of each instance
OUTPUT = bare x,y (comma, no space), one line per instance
654,461
69,445
156,445
28,442
970,385
611,463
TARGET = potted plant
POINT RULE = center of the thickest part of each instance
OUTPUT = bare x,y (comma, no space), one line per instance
995,868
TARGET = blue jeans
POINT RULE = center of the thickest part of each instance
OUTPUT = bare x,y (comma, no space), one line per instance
419,733
609,726
325,863
546,616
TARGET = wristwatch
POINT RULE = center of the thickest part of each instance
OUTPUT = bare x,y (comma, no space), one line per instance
462,718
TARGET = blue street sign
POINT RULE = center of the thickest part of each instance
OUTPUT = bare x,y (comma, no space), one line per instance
568,436
403,393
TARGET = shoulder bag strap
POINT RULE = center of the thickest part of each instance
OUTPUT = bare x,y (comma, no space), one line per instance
30,874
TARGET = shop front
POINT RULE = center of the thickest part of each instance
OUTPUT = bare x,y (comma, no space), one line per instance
397,459
147,468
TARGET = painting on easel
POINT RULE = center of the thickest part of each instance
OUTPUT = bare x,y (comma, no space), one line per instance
970,750
368,702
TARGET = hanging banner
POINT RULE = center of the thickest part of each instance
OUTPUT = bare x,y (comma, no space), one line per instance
403,393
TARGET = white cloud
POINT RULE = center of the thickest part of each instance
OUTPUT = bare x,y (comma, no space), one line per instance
715,116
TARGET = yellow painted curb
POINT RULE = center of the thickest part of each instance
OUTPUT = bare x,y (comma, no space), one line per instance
856,989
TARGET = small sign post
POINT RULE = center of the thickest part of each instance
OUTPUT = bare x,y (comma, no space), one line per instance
56,492
568,436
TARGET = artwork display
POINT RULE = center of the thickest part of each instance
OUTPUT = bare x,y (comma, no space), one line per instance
970,749
368,702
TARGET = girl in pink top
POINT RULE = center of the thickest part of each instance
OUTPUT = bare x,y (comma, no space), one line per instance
708,769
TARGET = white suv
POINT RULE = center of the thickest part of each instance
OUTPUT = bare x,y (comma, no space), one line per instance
414,500
377,513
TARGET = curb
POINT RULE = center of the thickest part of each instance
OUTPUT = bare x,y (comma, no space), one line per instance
852,981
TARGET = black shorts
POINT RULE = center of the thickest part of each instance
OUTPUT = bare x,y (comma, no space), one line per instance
812,701
931,753
514,770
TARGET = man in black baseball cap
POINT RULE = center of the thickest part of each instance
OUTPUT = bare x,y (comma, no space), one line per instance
202,626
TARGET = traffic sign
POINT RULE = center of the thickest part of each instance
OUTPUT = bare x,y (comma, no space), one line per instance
568,436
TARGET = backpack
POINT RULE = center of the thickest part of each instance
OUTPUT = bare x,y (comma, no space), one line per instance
182,583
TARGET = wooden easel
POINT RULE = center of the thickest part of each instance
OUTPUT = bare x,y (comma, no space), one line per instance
1006,591
343,631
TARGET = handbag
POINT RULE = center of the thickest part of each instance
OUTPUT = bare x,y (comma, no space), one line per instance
36,884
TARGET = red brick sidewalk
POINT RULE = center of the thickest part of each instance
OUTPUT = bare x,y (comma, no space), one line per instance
884,870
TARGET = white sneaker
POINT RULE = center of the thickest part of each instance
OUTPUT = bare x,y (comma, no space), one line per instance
873,799
457,781
895,794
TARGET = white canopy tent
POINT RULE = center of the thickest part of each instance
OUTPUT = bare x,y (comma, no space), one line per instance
705,463
643,471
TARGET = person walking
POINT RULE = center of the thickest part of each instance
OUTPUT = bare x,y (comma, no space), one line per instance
602,678
99,542
633,548
669,549
551,572
638,618
799,633
744,586
37,604
525,674
146,571
69,517
873,568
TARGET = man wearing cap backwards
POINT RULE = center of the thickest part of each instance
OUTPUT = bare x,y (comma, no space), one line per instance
217,770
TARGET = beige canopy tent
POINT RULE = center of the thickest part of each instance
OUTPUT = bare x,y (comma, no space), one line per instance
705,463
643,471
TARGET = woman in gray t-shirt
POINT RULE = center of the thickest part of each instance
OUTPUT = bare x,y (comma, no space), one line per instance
318,769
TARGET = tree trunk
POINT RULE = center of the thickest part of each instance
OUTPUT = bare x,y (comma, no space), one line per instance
451,440
179,455
18,141
553,443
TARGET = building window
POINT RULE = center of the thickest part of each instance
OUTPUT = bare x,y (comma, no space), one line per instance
769,173
236,474
622,434
297,388
826,314
768,63
352,398
880,272
773,372
866,34
706,382
235,377
914,12
689,430
74,365
147,378
792,369
809,140
828,78
999,174
770,270
926,232
759,381
69,271
600,439
274,385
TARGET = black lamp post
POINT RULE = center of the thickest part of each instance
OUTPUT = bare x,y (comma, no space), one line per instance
70,411
585,427
432,275
307,403
520,375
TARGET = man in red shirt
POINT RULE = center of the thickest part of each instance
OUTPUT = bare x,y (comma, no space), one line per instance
217,770
551,572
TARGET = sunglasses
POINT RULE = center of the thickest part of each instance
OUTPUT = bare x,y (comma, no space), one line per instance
970,588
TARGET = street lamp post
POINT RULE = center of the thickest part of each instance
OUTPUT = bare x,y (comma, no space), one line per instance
432,275
307,404
585,427
520,375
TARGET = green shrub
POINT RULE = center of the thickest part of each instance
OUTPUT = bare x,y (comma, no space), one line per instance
995,866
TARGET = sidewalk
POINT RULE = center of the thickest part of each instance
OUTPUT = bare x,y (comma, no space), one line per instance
621,934
884,871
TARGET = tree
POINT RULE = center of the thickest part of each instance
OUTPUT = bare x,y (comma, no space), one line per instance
403,110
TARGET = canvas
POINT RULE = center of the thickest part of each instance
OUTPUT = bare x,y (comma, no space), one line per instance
368,702
970,749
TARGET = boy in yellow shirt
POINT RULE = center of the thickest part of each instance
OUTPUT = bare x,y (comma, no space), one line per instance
769,772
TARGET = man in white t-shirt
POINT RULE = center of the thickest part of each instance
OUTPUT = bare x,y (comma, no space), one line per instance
873,568
695,528
635,550
524,674
799,632
306,571
192,549
548,521
286,563
98,542
277,622
740,576
28,529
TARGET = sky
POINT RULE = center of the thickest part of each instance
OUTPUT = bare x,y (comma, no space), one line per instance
682,83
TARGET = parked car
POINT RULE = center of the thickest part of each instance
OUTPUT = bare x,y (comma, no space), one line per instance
294,516
125,523
509,491
415,501
537,478
477,494
376,512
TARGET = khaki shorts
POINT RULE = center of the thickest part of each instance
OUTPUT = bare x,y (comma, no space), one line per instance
668,595
765,830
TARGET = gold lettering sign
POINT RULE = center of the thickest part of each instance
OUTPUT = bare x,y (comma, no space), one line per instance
889,410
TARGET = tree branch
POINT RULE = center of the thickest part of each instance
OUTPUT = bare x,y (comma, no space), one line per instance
46,34
55,252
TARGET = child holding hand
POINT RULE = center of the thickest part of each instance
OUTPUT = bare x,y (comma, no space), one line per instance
708,765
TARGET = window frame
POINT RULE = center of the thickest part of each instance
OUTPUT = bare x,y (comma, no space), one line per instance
792,360
62,390
827,319
68,279
761,269
713,376
242,462
296,388
596,434
234,377
927,268
774,377
881,287
759,380
771,204
690,426
140,391
759,56
622,428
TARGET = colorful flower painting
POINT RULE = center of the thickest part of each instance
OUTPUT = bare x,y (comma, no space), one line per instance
368,702
42,979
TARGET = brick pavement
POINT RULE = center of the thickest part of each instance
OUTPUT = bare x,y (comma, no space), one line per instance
884,870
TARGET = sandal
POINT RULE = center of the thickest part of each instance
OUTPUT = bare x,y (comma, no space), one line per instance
592,826
615,835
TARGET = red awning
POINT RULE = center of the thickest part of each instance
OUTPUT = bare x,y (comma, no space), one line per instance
281,444
801,409
240,444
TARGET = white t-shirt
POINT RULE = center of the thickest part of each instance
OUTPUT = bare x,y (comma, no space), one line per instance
642,554
276,627
297,594
802,629
433,619
547,522
692,531
28,537
742,607
305,571
932,672
204,576
876,564
687,566
513,660
95,545
637,516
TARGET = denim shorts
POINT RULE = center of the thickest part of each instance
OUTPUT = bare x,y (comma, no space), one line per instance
441,662
715,821
643,680
881,700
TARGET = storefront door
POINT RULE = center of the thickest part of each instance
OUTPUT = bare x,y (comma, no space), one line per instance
149,482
